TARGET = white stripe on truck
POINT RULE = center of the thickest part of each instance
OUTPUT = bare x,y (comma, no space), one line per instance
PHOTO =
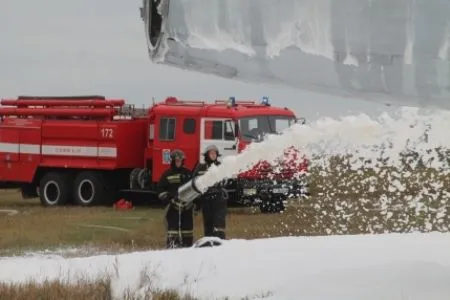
28,149
59,150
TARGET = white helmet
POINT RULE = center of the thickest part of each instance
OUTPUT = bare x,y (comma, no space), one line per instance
211,148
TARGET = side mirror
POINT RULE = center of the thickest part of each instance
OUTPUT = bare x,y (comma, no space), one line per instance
301,121
231,148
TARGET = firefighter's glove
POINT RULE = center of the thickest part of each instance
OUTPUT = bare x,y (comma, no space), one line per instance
185,177
164,197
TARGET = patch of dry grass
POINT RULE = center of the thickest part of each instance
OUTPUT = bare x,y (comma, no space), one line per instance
57,290
11,198
38,227
103,228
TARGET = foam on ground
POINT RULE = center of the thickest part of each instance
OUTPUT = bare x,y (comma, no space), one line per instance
395,266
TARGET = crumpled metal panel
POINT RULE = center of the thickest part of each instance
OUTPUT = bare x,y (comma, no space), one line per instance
390,51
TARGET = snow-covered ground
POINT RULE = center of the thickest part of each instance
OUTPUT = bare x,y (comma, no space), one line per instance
391,266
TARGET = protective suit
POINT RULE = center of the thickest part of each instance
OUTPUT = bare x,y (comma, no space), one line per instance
178,218
214,201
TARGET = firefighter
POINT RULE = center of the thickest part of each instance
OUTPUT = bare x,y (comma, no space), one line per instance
214,201
178,218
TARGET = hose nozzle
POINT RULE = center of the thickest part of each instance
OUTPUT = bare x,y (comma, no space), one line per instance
188,192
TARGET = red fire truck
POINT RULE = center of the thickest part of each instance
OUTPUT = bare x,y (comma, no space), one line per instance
89,150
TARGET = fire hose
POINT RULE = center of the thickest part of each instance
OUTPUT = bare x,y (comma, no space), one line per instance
190,191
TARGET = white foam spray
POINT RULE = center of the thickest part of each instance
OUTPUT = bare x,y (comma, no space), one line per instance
366,175
366,138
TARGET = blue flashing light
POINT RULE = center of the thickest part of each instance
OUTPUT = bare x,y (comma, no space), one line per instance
265,101
232,101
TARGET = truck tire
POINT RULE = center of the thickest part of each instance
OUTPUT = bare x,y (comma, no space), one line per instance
54,189
90,188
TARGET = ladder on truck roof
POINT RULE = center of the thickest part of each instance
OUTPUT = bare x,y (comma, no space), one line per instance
87,97
176,102
240,102
67,107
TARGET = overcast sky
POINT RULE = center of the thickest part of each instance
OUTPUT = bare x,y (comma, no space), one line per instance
98,47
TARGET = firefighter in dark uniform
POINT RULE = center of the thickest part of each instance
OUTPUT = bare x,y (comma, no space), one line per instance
178,218
214,201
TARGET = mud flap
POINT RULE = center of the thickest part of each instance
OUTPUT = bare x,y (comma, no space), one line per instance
208,241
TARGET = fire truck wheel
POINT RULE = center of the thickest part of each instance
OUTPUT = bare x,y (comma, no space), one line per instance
89,189
54,189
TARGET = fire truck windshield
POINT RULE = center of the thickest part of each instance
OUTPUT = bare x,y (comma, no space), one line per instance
253,129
